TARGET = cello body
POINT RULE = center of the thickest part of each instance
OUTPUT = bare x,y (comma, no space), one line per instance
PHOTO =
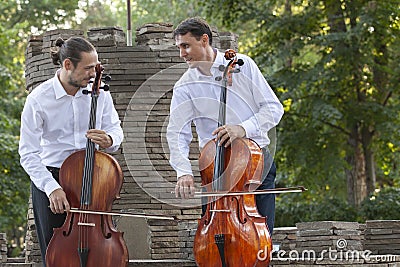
106,246
233,220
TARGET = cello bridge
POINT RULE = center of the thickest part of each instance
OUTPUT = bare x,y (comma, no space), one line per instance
86,224
220,210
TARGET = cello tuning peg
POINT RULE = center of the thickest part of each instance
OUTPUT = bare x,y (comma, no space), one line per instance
105,87
85,91
106,78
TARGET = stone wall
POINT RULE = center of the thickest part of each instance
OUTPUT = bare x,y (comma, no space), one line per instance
3,247
142,80
332,243
382,237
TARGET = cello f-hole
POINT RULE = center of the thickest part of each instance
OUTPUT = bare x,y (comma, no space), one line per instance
107,235
239,212
67,233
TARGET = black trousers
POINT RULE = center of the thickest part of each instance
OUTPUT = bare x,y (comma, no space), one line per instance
265,202
45,219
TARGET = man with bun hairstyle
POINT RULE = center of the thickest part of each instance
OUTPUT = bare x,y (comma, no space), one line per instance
54,124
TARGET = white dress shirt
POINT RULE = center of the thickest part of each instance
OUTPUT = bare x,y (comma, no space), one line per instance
251,103
54,125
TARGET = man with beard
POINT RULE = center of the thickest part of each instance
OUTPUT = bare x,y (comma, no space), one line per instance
54,124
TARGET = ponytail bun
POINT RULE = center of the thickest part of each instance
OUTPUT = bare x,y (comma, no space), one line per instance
55,52
60,42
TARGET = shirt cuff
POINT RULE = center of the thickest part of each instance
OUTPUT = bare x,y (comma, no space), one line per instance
115,145
250,129
50,187
181,173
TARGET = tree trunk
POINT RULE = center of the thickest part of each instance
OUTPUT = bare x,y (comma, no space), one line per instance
356,174
370,173
288,43
361,173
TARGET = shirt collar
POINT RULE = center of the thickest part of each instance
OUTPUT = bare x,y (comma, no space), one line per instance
58,88
219,60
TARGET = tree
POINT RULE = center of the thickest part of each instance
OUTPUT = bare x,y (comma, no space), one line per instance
17,20
14,185
334,64
42,14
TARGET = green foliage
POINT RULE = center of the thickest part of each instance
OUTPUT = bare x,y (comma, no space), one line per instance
99,14
145,11
334,65
14,183
311,206
39,14
14,190
382,205
17,20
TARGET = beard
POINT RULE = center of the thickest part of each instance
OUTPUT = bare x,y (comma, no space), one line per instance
76,83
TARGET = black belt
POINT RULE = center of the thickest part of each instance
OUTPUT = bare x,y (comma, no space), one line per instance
54,171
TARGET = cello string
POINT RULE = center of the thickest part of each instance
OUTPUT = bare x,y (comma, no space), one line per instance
87,172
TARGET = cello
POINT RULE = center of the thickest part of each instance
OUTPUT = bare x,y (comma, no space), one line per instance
231,232
91,180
